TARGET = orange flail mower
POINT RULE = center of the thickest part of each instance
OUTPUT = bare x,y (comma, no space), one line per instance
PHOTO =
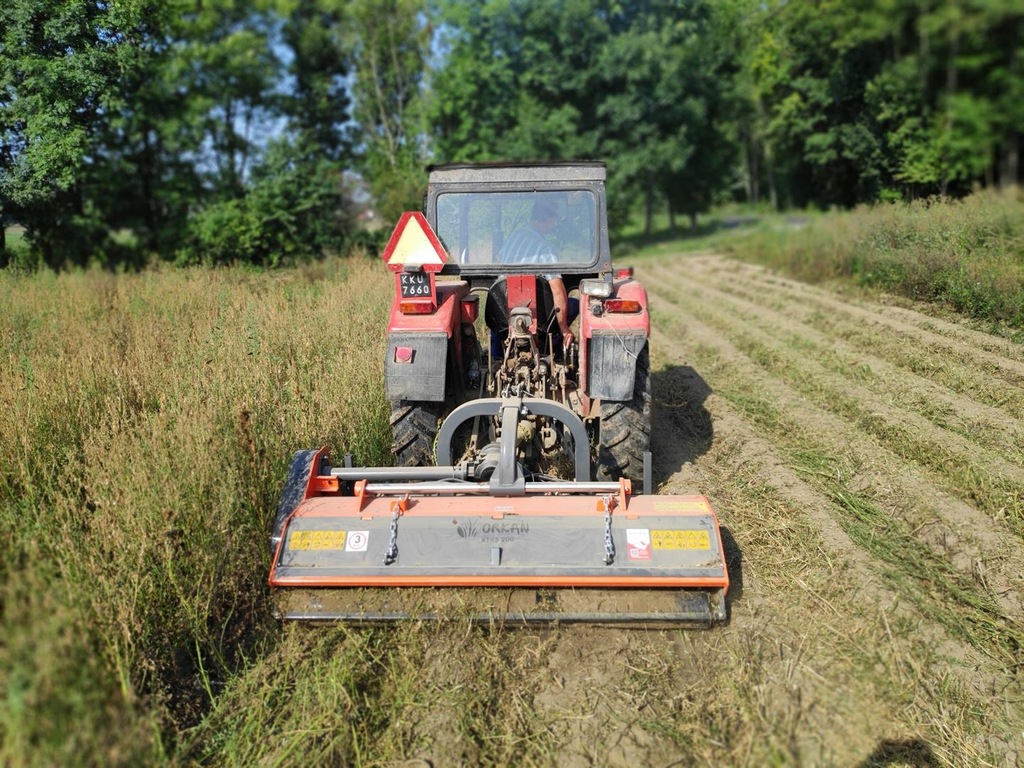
518,444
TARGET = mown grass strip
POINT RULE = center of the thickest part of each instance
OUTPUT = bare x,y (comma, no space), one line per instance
930,582
914,391
940,592
960,472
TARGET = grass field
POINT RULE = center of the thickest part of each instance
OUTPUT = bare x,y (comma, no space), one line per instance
963,255
866,459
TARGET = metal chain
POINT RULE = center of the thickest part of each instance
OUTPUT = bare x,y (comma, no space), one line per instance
609,545
392,551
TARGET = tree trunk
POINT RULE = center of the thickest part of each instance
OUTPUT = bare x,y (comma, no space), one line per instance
649,207
773,192
753,163
1011,152
147,173
951,88
1011,161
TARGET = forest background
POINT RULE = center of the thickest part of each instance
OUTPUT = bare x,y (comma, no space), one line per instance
137,131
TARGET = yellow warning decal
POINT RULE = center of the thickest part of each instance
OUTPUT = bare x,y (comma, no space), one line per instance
316,540
680,506
680,540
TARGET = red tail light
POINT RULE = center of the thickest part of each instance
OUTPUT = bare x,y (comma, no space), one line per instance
623,272
415,307
622,306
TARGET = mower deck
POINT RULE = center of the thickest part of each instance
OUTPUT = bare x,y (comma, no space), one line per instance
592,552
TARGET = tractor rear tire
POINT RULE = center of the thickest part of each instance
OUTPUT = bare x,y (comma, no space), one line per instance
625,431
414,429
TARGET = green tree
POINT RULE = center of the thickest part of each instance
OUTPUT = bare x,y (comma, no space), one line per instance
390,41
519,80
58,74
294,210
665,110
317,105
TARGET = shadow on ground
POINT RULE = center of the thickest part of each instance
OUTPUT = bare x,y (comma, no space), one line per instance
912,753
681,432
734,566
681,428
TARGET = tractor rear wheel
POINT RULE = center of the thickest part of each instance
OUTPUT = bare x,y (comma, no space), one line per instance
414,429
625,430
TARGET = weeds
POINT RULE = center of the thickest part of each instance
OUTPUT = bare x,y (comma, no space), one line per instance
145,424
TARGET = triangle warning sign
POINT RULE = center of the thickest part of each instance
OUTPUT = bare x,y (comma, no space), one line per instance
413,243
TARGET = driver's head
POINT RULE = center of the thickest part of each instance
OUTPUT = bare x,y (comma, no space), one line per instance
544,216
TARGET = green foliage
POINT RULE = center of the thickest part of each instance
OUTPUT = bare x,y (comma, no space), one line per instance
966,255
390,47
850,99
319,104
145,130
157,119
643,85
294,211
518,81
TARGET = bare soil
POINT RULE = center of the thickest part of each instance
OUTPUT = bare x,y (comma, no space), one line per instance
866,462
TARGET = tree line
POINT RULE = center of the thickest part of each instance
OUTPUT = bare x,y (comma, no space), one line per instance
220,131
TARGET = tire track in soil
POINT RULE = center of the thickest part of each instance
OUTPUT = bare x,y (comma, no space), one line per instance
737,446
886,331
966,535
989,427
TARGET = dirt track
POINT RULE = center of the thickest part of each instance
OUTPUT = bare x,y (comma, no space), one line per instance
866,461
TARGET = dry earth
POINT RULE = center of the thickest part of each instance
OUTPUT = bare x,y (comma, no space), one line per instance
866,461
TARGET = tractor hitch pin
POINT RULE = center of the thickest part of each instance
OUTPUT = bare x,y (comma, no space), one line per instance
609,545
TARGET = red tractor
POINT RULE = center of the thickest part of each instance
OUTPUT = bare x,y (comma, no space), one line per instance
518,439
512,233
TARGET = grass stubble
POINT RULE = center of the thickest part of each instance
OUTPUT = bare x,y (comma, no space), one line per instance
903,614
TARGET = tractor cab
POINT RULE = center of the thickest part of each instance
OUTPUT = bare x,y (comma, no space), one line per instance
495,220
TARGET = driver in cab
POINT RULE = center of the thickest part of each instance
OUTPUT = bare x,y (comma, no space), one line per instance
530,245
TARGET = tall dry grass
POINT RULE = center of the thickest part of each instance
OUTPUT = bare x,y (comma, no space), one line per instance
146,423
965,254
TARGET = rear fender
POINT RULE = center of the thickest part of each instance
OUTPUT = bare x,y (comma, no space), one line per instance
612,342
418,345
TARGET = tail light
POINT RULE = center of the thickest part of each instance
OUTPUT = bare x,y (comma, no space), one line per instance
623,272
622,306
415,307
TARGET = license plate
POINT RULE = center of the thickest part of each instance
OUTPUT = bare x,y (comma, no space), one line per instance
415,285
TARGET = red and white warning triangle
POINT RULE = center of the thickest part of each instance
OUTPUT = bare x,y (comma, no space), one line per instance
413,243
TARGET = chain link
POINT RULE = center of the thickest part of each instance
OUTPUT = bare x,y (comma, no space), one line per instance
392,551
609,545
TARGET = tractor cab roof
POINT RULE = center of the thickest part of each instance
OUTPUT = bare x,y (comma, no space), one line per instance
514,218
